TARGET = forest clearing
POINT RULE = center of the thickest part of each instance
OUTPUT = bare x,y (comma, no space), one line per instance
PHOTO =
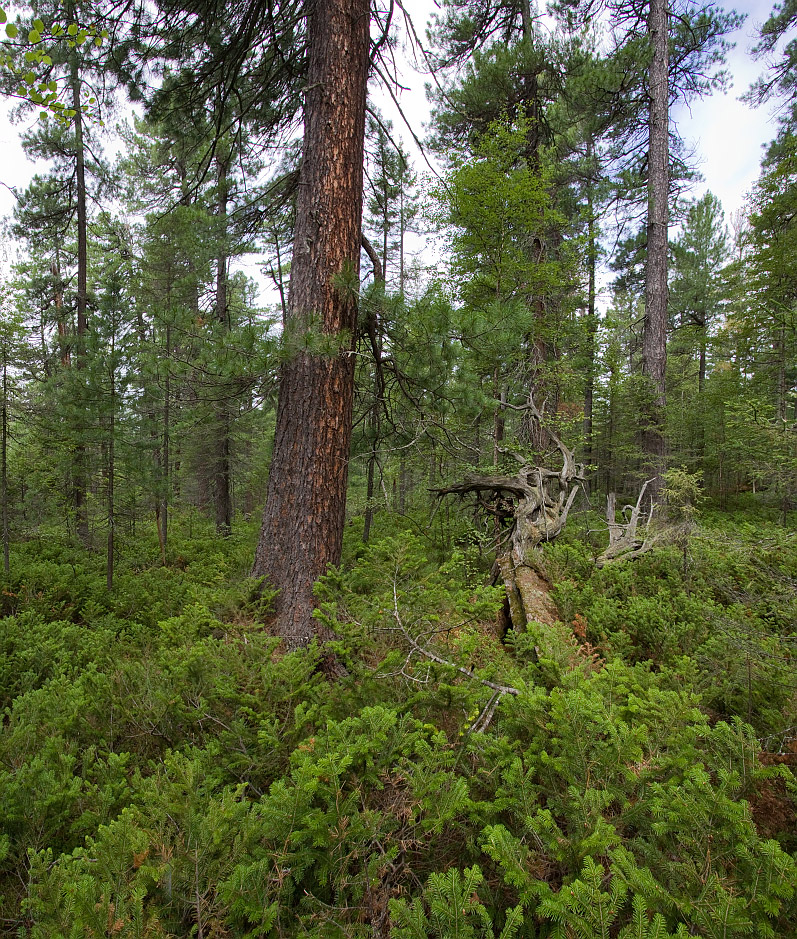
439,580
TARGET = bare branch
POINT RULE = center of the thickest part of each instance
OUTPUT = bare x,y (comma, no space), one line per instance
625,541
418,649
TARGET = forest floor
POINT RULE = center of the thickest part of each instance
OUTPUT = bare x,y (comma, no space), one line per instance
167,770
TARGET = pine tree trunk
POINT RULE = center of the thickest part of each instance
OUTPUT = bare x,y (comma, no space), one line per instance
58,299
302,531
221,475
167,439
592,319
538,350
369,496
374,422
404,485
499,395
4,481
79,469
402,225
780,367
109,557
654,340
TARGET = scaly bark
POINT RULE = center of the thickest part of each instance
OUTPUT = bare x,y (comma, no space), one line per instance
302,532
654,340
222,474
79,467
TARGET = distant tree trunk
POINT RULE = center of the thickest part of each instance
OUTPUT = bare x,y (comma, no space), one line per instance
221,475
63,345
6,563
79,469
303,520
402,226
373,421
111,473
404,485
499,395
162,456
654,340
369,496
167,439
780,372
592,324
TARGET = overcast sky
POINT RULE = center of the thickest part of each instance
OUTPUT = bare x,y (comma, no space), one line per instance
727,134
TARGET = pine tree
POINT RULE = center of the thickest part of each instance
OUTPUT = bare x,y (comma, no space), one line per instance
303,519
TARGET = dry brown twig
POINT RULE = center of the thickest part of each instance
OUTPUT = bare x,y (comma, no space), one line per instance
420,650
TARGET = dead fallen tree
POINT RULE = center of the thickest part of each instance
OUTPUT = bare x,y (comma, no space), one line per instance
531,507
631,538
420,650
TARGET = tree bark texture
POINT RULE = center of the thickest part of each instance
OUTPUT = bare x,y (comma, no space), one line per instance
654,341
302,530
4,471
222,474
592,319
79,470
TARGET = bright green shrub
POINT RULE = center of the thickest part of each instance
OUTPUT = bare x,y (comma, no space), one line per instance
165,766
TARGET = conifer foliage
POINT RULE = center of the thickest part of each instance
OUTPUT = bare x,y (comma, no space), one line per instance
344,609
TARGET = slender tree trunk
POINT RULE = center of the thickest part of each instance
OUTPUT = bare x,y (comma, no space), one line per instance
58,299
373,422
369,496
654,340
385,232
221,476
302,531
592,319
279,280
167,416
4,481
499,395
701,401
528,19
79,469
609,461
780,373
111,474
538,353
402,225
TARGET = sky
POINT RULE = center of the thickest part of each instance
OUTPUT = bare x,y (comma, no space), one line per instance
726,134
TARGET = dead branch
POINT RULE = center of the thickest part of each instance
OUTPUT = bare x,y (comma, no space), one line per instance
537,500
625,540
532,506
485,717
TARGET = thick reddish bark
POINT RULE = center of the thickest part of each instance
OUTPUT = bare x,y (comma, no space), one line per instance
654,342
303,519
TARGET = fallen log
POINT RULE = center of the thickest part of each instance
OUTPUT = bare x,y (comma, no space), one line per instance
534,505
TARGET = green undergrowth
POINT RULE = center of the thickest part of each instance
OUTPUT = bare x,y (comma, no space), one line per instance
722,608
167,770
